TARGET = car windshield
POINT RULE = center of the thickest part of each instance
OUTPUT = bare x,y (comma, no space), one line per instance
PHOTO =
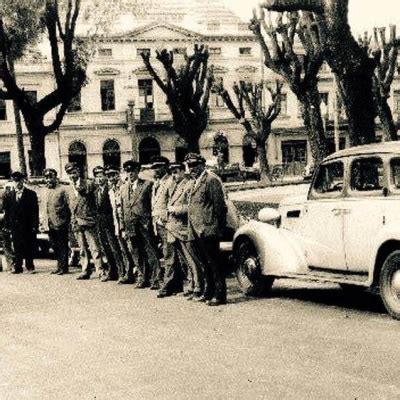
330,178
395,172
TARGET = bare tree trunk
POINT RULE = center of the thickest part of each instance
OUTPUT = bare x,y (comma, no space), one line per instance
37,138
192,144
263,161
314,126
18,130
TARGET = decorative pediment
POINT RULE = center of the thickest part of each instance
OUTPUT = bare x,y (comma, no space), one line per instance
162,32
107,71
247,69
219,69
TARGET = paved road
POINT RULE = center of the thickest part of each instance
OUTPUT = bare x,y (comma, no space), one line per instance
67,339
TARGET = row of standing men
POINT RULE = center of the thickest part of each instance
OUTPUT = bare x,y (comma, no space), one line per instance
154,234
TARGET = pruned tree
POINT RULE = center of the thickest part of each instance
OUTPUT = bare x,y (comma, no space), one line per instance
298,67
347,59
187,89
384,51
69,61
258,125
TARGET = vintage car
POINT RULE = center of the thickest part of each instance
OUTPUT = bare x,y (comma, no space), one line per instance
346,230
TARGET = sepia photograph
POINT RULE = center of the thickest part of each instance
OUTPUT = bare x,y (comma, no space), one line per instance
199,199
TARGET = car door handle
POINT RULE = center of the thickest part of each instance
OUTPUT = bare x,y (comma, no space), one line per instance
336,211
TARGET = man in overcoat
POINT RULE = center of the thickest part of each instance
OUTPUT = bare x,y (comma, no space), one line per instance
105,223
82,202
136,225
21,220
58,219
207,219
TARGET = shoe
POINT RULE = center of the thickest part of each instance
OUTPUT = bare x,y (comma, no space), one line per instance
55,272
104,278
16,272
155,286
161,295
62,272
187,294
216,302
199,298
140,285
83,277
125,281
31,271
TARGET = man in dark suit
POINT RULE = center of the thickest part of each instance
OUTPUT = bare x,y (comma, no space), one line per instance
179,261
8,249
136,225
108,240
58,219
21,219
82,203
207,219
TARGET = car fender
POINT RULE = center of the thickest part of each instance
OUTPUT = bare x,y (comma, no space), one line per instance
279,250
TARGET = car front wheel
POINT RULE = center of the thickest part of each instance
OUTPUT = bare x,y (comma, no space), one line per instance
249,273
390,284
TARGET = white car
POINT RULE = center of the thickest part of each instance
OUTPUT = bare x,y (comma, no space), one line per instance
346,230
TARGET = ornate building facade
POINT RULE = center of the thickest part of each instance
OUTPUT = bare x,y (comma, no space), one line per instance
121,113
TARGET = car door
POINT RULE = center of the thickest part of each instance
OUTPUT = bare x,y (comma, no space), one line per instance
363,210
321,226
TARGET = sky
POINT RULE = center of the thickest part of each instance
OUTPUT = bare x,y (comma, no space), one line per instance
363,14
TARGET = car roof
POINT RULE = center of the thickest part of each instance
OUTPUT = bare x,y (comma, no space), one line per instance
375,148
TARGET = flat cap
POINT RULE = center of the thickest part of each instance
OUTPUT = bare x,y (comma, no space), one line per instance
17,176
131,165
194,158
159,161
71,166
49,172
111,169
176,165
98,170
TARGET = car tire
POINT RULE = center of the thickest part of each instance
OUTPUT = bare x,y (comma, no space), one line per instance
249,273
389,284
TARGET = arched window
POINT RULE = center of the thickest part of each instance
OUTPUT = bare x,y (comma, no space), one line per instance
249,151
221,148
77,153
112,153
148,148
181,149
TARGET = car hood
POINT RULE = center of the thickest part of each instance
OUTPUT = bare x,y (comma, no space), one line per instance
293,200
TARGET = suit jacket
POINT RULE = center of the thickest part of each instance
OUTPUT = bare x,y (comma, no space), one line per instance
136,206
207,208
57,208
177,222
104,208
21,217
82,203
160,199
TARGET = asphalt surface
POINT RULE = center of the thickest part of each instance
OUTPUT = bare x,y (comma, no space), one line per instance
67,339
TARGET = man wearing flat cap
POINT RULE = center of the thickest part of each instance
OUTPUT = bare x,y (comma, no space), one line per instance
82,202
159,201
136,225
21,219
207,219
58,219
108,240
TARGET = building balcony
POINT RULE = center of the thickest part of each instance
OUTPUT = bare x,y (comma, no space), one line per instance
147,115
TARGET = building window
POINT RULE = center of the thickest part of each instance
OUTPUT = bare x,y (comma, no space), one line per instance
216,100
3,110
179,50
146,99
105,52
284,104
146,52
396,100
77,153
75,104
148,148
5,164
107,95
245,51
324,98
294,151
112,153
213,26
216,51
32,96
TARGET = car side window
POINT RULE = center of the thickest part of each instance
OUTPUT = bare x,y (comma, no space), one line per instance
395,172
367,174
330,178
